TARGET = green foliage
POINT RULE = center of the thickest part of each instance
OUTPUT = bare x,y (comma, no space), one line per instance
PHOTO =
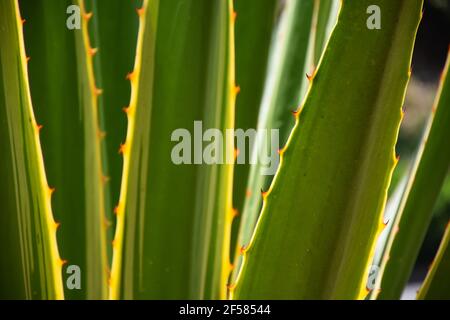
437,286
71,138
172,241
284,88
255,20
324,206
414,211
30,265
89,125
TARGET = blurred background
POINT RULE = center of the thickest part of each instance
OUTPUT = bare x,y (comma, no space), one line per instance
428,62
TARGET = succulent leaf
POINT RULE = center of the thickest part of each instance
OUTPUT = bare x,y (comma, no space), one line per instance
436,285
255,20
172,241
286,84
113,31
320,219
30,266
72,139
414,215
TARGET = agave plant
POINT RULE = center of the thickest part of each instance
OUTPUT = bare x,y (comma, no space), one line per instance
96,96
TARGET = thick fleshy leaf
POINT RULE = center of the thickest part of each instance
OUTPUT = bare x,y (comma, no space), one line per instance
30,266
113,32
65,95
415,211
327,14
173,218
322,215
437,284
255,20
286,84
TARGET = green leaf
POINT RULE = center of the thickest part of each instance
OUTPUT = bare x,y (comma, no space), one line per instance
320,219
31,266
436,285
327,13
286,84
389,215
415,211
173,221
254,25
113,31
65,99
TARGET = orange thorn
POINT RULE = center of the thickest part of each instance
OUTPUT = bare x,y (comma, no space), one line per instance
235,213
310,78
113,243
51,191
442,75
97,91
243,250
62,262
23,21
140,11
237,90
231,286
236,153
39,127
116,210
434,109
130,76
92,51
282,151
295,113
126,110
387,222
264,194
248,193
234,16
28,59
122,148
87,16
105,179
57,225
